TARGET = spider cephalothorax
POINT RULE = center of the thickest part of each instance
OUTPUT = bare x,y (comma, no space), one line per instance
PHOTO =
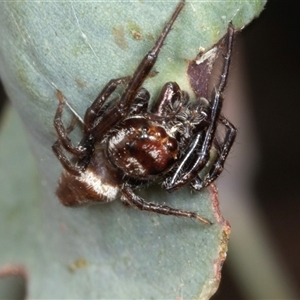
126,143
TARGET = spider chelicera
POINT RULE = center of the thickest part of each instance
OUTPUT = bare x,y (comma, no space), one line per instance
126,144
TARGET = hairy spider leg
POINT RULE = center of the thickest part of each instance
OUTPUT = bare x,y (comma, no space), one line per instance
177,180
197,184
169,93
141,102
130,198
66,163
59,144
95,110
63,141
193,147
62,132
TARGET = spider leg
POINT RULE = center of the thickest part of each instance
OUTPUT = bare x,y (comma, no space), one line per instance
130,198
169,182
94,111
177,180
63,141
66,163
141,102
218,165
169,93
62,132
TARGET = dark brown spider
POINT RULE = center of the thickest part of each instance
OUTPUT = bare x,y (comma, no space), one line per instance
125,144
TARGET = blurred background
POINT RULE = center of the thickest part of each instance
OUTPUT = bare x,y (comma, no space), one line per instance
259,191
263,208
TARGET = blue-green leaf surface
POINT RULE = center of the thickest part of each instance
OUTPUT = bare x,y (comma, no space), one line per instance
100,251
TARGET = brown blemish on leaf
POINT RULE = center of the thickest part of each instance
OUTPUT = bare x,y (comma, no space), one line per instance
119,37
152,74
199,72
80,83
79,263
137,35
135,30
223,246
200,69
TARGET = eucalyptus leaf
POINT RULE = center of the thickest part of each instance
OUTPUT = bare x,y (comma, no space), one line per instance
100,251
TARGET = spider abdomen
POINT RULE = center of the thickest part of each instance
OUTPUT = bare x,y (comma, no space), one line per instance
98,183
142,148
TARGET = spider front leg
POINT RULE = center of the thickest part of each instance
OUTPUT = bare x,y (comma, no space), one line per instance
141,101
179,178
94,111
216,169
130,198
169,94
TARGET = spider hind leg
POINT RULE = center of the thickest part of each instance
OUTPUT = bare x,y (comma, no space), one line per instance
130,198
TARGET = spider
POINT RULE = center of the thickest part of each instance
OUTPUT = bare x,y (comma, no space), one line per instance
126,144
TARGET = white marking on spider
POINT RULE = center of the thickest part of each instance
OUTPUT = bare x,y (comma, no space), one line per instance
154,153
94,182
135,166
117,138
